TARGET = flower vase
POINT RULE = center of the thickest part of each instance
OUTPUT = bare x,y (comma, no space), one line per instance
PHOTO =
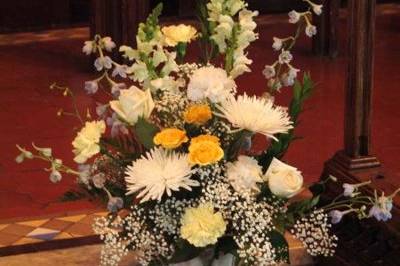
224,260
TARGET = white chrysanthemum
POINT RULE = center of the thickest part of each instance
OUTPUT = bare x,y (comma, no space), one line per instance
212,83
255,114
244,174
158,172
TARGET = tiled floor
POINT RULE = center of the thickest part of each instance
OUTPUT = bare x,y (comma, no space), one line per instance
23,232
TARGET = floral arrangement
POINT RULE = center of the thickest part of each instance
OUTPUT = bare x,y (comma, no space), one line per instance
172,152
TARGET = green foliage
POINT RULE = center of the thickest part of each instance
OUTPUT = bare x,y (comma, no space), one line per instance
234,149
231,47
145,132
301,92
147,30
73,195
226,245
185,251
281,246
207,46
300,208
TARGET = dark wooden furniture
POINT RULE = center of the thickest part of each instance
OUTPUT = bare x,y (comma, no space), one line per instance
118,19
367,242
325,43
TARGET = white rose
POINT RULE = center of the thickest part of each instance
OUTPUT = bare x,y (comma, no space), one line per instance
86,143
283,180
132,104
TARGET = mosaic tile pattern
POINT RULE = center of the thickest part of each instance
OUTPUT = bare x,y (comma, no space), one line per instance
42,230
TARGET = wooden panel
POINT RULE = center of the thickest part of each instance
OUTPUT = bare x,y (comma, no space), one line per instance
25,15
359,77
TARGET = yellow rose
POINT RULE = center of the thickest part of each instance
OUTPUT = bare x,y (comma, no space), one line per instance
179,33
170,138
198,114
205,150
202,226
206,137
86,143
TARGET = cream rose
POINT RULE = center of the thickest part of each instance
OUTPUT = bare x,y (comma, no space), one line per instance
283,180
132,104
86,143
179,33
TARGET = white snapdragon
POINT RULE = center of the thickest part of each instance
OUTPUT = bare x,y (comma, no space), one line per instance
108,43
223,32
138,71
88,47
170,64
240,65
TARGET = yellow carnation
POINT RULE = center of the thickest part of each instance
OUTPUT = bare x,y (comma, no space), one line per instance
198,114
205,150
86,143
170,138
202,226
179,33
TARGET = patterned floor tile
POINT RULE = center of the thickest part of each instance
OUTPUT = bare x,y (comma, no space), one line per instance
40,230
63,235
56,224
79,229
26,240
17,229
89,219
34,223
2,226
101,213
8,239
43,233
75,218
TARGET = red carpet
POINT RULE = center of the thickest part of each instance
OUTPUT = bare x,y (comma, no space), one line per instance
28,109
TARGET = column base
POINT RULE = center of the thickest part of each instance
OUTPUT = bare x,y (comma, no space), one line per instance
365,242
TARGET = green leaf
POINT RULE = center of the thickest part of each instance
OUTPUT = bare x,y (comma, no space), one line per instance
72,195
225,245
184,252
297,88
277,149
280,244
317,188
145,132
299,208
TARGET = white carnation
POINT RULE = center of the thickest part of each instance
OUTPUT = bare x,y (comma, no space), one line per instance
244,174
212,83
